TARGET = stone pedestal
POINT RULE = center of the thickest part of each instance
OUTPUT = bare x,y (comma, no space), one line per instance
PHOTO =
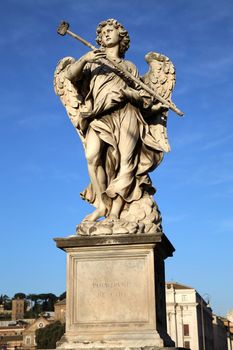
116,292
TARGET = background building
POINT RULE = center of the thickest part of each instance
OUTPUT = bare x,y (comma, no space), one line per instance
11,337
219,334
60,311
29,334
17,309
229,329
189,318
4,314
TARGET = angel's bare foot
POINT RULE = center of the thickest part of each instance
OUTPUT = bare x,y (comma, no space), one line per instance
112,217
97,214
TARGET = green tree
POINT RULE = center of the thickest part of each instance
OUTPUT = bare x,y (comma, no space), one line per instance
47,337
5,317
36,308
42,302
6,301
47,301
62,296
19,295
3,298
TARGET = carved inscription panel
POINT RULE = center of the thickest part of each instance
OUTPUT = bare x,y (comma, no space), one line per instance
112,289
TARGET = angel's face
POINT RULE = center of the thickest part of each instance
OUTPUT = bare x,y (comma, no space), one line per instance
110,36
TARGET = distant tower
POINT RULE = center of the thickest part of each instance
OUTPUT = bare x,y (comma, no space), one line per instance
17,309
60,311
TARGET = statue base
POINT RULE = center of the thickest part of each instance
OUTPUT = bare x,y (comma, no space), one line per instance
116,292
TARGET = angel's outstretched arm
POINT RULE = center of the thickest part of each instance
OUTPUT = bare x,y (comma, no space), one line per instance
75,70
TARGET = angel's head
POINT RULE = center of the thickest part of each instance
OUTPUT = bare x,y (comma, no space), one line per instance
120,35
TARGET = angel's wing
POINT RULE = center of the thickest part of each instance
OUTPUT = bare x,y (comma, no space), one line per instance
161,78
69,94
161,75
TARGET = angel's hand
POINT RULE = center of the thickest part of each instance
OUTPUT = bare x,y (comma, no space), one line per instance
131,95
93,56
158,106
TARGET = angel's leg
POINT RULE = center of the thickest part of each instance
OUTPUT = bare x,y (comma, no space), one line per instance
127,144
94,148
117,205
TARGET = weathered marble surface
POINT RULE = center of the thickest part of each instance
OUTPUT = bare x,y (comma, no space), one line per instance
115,267
115,291
141,216
123,127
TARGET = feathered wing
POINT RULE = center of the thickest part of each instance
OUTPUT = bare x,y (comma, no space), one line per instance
69,94
161,78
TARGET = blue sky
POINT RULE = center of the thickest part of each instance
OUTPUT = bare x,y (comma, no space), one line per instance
43,168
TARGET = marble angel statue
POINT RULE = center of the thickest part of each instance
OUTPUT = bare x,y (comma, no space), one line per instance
122,128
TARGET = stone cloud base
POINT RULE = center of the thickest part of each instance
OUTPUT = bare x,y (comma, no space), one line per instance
116,292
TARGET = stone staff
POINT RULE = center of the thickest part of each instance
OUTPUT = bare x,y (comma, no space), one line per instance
63,29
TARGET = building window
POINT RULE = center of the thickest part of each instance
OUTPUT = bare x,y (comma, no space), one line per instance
184,297
187,345
186,330
28,340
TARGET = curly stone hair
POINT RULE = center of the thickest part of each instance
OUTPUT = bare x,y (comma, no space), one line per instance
123,34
